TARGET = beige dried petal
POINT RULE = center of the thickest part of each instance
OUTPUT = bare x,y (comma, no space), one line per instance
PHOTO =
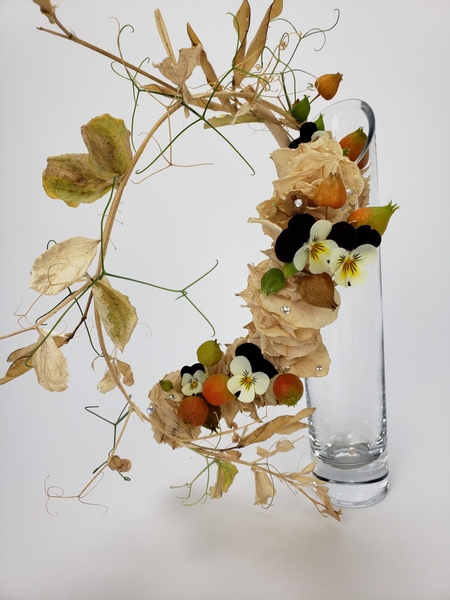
118,316
264,488
62,265
50,365
179,73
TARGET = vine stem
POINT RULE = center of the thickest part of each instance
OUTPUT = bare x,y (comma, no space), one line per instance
107,230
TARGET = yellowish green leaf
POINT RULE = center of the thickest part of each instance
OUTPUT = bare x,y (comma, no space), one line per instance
226,472
70,177
108,142
62,265
118,316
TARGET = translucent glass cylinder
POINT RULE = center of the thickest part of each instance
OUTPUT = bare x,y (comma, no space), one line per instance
348,429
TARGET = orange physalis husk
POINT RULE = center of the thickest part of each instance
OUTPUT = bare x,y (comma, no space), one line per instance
327,85
353,144
331,192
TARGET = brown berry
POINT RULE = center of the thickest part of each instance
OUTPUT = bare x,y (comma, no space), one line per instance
193,411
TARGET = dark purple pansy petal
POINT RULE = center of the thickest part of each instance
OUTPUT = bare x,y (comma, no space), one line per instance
293,238
191,370
366,235
343,234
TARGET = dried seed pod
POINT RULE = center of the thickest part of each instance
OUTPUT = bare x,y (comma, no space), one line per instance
331,192
318,290
327,85
119,464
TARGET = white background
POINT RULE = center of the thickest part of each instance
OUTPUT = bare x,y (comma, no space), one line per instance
394,54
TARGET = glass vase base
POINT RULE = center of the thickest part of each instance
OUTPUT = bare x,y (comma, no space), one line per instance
355,487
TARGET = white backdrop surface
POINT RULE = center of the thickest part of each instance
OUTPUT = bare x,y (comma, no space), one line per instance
394,55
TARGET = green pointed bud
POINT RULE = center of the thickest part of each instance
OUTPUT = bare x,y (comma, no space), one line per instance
300,109
166,385
376,217
319,122
209,353
289,269
108,142
272,281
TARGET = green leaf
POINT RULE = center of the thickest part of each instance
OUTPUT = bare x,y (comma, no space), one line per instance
272,281
108,142
300,109
69,177
319,122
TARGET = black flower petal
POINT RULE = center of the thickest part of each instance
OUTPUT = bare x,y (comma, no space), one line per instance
366,235
191,370
348,237
306,132
293,238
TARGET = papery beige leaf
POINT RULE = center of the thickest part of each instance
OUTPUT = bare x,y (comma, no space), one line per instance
226,472
157,89
179,73
108,142
50,365
69,177
257,44
241,23
62,265
118,316
280,446
122,371
164,35
284,425
264,488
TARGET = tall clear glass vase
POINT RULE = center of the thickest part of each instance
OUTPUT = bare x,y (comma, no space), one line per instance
348,428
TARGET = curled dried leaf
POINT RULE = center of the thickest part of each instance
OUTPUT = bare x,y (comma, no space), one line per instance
283,425
179,73
118,316
62,265
50,364
264,488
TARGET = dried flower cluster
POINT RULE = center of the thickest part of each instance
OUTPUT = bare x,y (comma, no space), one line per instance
322,235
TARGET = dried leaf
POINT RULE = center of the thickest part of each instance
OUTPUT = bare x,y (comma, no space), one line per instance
120,368
280,446
179,73
18,368
264,488
241,23
118,316
62,265
226,472
70,177
283,425
108,142
224,120
157,89
257,44
50,365
164,35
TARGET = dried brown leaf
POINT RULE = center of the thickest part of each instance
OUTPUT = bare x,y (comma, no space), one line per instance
47,9
257,44
164,35
284,424
62,265
118,316
264,488
18,368
179,73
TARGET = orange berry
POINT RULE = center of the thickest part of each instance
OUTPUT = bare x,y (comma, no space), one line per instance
331,192
288,389
193,411
353,144
215,390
